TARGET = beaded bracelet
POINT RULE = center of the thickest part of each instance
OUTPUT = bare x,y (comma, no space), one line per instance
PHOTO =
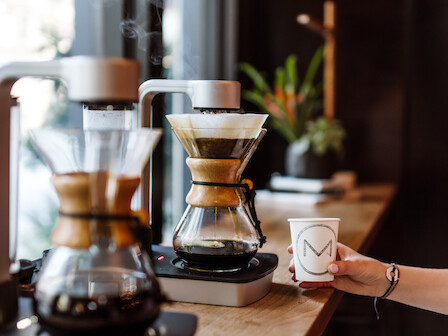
391,275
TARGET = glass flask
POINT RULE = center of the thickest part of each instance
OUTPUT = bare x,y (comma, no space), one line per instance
98,279
219,231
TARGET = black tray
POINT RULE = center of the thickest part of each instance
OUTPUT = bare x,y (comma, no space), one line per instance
165,261
167,324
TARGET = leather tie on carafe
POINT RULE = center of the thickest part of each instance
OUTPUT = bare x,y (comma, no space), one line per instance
213,185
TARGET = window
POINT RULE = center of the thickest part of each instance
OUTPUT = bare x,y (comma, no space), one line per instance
198,43
34,31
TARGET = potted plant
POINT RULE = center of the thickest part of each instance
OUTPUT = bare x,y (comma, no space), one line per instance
315,141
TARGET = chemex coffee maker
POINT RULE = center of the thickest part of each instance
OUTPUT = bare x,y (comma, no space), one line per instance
214,257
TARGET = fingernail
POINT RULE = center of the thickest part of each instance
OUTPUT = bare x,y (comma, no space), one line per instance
333,268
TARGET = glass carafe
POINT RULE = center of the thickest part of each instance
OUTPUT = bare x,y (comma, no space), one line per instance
218,231
98,279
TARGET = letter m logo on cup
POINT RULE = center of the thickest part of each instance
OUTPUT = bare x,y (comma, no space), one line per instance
315,248
326,247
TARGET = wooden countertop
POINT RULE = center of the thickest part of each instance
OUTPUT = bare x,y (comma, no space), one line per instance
288,309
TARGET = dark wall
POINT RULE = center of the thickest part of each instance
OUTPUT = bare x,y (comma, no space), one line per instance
416,233
391,96
268,34
369,77
370,85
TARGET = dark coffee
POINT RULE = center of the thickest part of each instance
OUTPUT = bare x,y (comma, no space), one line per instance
128,315
217,148
218,255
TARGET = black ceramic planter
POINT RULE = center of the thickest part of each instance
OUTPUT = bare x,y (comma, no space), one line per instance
309,164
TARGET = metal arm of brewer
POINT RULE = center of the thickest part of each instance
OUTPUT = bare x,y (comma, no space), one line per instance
9,74
88,80
214,95
204,94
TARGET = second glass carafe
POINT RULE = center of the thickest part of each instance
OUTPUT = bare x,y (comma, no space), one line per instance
98,279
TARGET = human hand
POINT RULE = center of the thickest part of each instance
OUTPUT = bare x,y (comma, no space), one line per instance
354,273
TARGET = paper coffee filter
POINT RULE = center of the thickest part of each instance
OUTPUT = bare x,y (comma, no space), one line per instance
221,133
179,120
227,120
220,125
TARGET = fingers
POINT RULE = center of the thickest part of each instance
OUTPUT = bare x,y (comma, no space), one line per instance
333,268
354,273
345,252
339,267
343,268
291,267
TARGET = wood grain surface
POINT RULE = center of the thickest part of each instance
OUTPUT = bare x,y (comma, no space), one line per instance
287,309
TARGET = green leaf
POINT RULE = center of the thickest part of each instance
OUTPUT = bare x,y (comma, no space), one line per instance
311,104
326,135
291,72
280,78
282,127
323,135
256,77
308,80
256,99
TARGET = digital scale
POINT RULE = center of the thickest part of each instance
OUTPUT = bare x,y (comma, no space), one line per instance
234,289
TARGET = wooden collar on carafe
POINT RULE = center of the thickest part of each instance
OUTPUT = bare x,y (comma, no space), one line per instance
79,200
217,171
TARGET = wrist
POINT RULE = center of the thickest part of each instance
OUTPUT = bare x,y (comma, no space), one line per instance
392,276
383,283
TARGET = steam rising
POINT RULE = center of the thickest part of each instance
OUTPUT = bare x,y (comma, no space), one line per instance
145,40
157,3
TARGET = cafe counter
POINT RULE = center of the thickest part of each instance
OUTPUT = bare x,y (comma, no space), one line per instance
288,309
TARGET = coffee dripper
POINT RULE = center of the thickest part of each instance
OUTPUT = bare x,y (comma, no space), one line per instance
99,276
216,232
217,138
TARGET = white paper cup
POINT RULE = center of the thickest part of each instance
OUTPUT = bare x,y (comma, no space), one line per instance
314,247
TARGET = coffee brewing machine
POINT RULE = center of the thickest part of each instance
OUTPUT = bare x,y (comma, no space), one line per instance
99,267
214,258
99,276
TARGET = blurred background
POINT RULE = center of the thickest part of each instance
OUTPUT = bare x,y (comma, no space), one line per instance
392,77
390,95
